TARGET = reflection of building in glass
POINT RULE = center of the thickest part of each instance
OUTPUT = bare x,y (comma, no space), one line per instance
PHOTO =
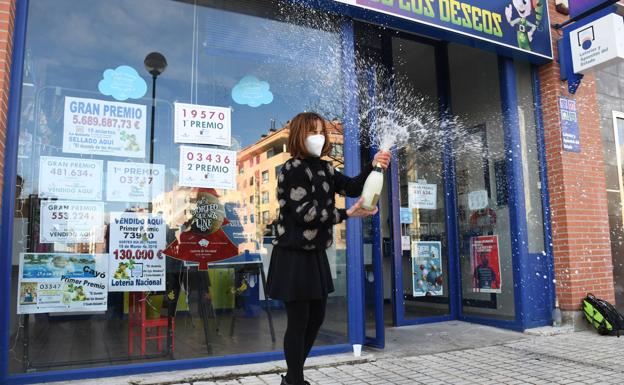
175,205
258,168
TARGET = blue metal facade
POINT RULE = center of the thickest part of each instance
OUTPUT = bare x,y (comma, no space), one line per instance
524,272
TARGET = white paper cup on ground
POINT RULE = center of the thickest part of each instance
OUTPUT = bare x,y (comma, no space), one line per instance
357,350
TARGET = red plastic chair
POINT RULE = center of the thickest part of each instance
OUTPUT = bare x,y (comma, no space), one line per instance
137,317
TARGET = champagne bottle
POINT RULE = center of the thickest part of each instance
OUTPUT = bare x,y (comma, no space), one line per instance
372,188
556,314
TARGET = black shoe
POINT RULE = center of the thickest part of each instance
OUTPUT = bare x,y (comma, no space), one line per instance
284,382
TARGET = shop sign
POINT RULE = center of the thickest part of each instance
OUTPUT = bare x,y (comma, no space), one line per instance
427,278
122,83
597,44
207,167
406,215
134,182
71,222
516,24
136,259
485,264
70,178
99,127
59,282
202,124
569,125
253,92
422,195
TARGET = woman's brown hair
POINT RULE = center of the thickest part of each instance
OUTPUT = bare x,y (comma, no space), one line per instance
299,127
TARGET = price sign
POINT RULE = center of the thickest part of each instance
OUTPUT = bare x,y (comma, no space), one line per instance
136,259
207,167
99,127
134,182
202,124
71,222
70,178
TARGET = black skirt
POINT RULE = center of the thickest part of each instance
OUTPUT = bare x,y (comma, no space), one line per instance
299,275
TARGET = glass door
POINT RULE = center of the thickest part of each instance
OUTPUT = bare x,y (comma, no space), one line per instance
370,66
421,266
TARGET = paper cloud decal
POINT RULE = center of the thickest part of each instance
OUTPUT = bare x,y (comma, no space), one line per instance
122,83
252,92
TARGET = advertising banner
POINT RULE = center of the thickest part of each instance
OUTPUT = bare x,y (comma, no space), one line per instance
71,222
427,279
422,195
202,124
136,259
485,263
569,125
59,282
70,178
516,24
207,167
101,127
134,182
208,236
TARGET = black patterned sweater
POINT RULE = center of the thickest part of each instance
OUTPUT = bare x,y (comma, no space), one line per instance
306,193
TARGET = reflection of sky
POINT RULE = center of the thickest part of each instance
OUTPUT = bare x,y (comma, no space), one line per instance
71,42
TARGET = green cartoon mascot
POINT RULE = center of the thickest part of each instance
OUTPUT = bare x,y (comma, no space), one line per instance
525,28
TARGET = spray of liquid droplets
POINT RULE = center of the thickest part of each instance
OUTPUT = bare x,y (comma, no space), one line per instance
392,114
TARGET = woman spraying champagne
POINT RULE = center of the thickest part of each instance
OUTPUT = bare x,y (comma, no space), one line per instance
299,272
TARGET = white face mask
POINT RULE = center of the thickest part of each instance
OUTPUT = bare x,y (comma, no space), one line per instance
314,144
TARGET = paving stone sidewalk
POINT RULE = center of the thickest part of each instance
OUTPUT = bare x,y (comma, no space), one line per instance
460,354
575,358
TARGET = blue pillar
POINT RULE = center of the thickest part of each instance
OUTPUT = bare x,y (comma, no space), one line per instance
517,211
355,259
8,191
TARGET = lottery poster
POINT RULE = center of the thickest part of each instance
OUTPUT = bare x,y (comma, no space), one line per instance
70,178
485,263
136,259
427,274
101,127
59,282
207,167
134,182
199,124
71,222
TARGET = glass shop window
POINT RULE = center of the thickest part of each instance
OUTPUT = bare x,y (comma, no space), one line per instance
128,208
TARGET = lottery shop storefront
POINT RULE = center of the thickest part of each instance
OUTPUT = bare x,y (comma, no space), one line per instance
147,137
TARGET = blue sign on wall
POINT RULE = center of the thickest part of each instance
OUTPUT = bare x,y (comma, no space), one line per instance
569,125
577,7
518,24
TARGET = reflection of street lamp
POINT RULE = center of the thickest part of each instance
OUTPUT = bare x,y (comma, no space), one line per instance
155,64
